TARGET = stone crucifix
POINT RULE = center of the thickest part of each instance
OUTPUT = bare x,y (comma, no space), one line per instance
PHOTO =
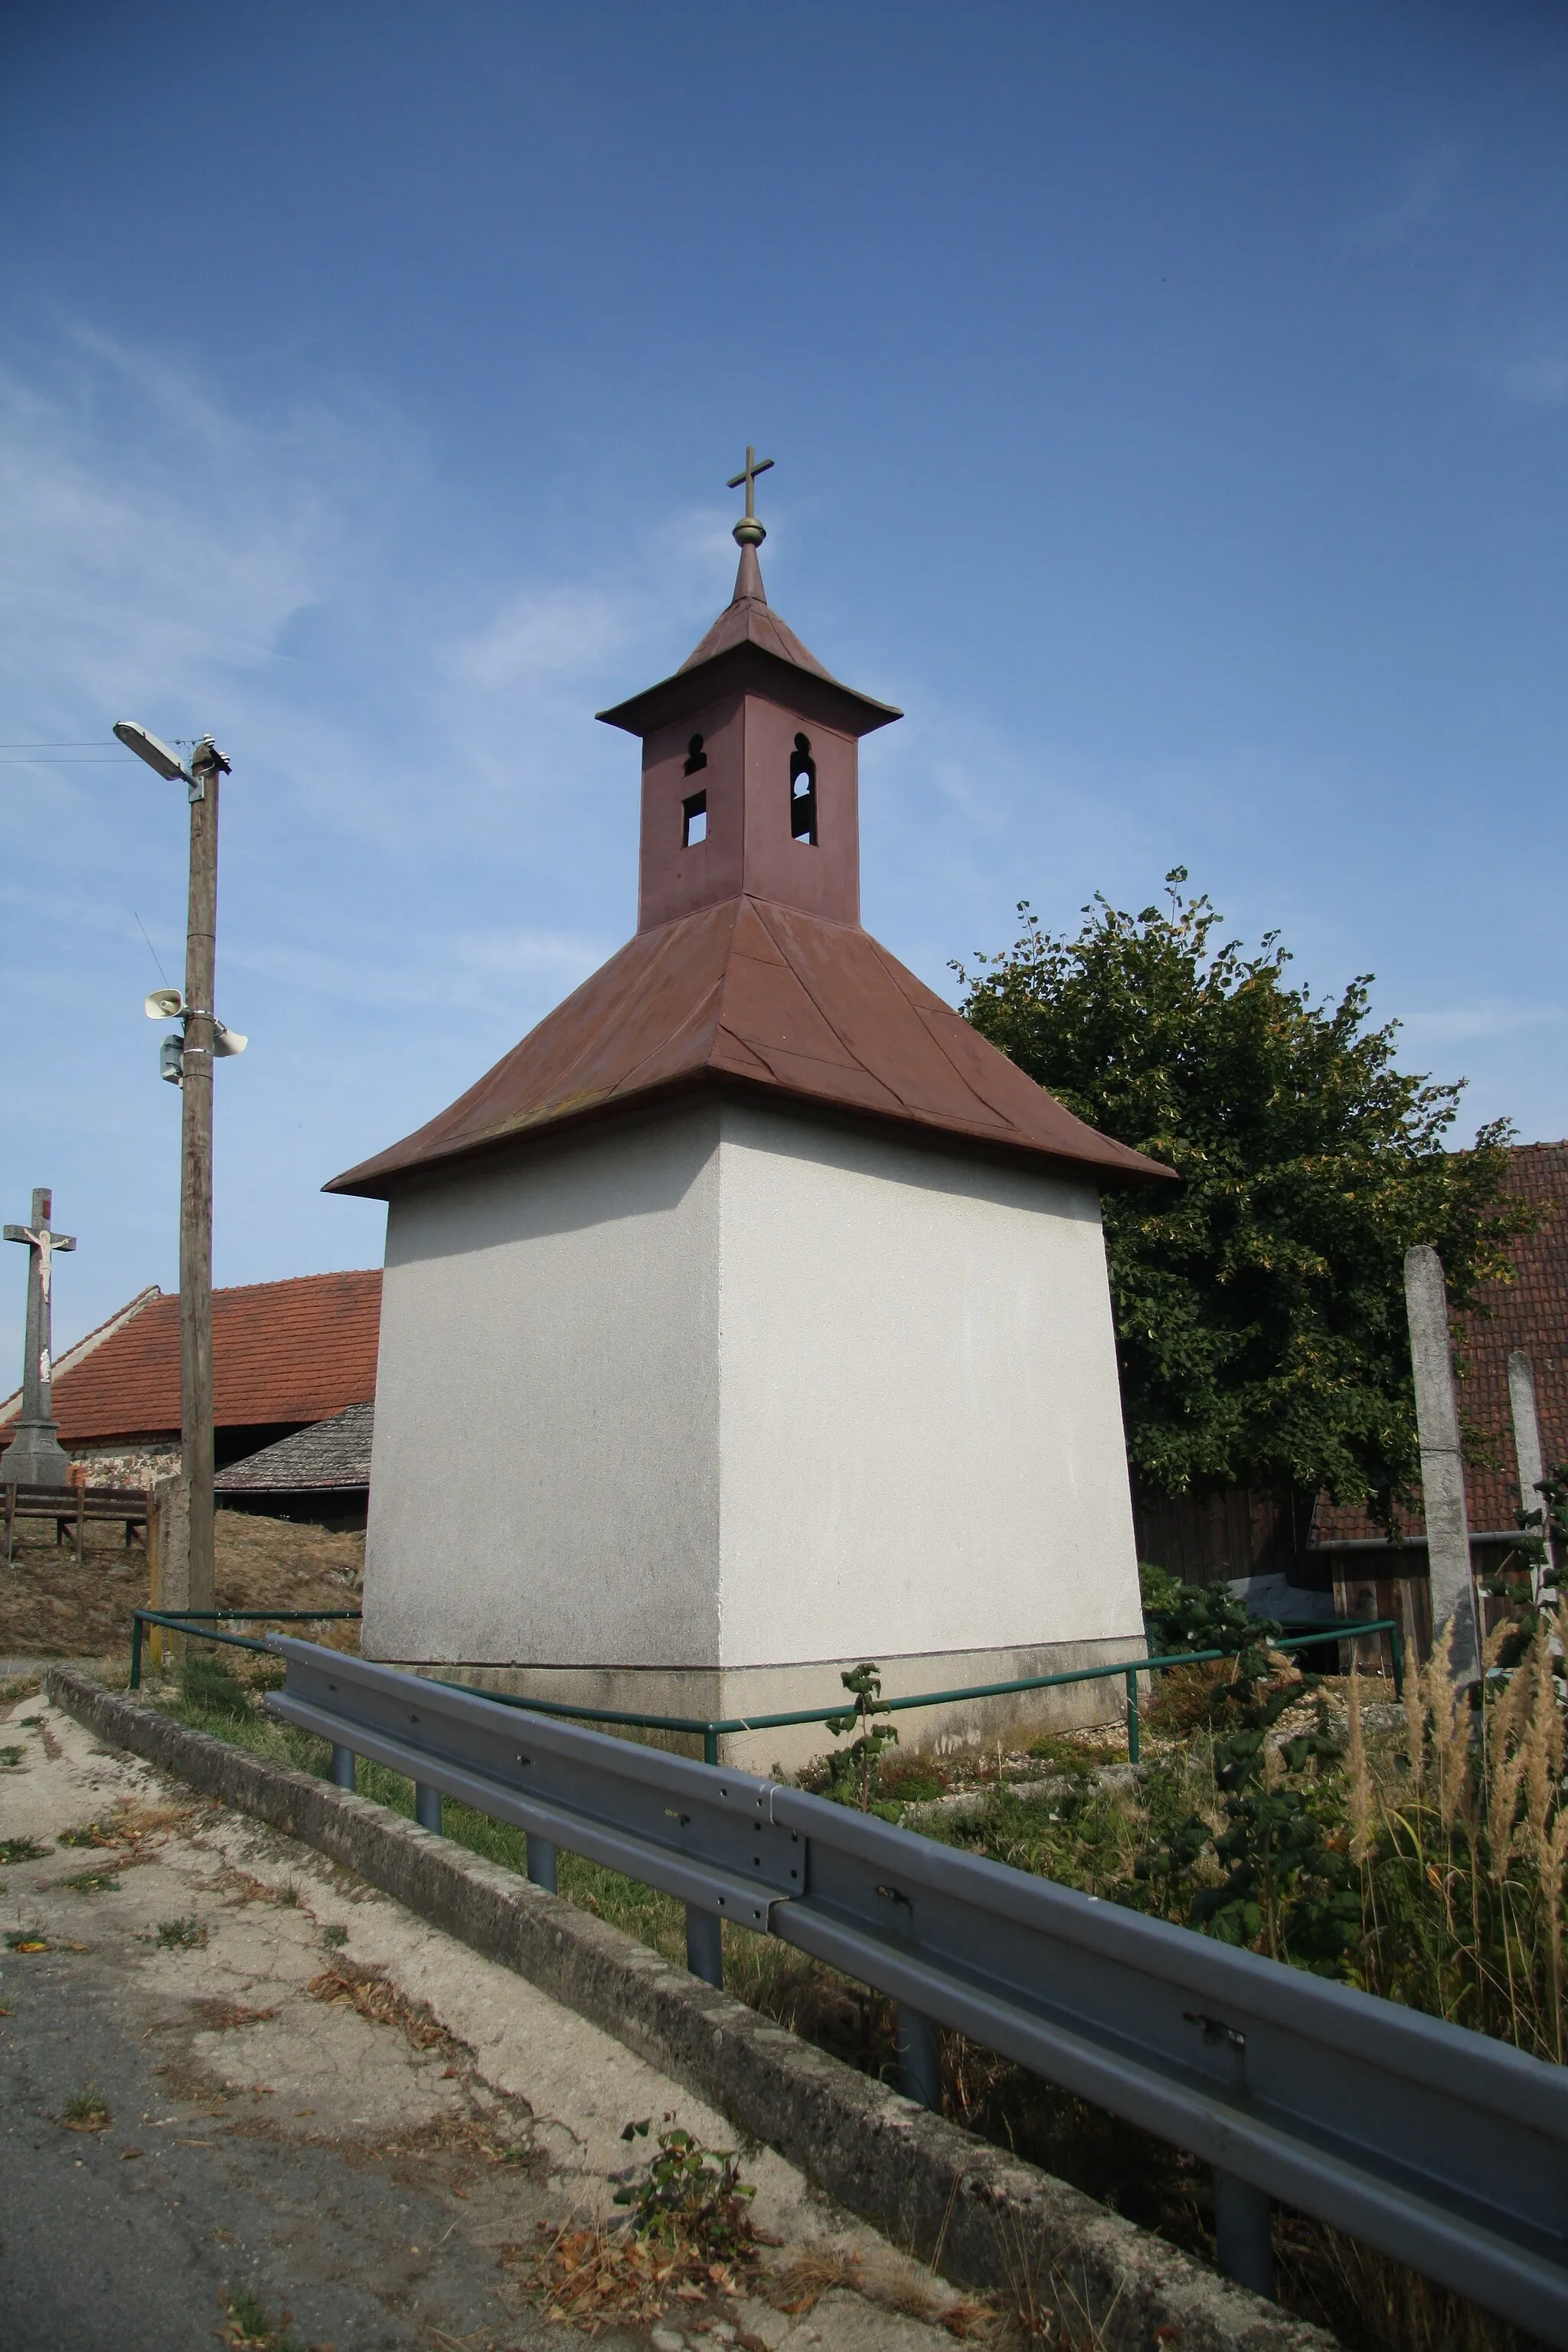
35,1456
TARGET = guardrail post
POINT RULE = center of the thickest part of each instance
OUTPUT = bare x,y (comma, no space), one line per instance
428,1808
710,1744
920,2059
1243,2224
705,1945
342,1768
1132,1719
136,1654
541,1862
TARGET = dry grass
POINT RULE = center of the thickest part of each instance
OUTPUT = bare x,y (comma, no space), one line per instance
50,1608
368,1989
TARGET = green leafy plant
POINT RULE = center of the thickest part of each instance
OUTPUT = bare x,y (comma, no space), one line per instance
1199,1617
22,1849
690,2198
92,1882
1259,1303
85,2111
12,1755
181,1935
853,1772
333,1936
248,2329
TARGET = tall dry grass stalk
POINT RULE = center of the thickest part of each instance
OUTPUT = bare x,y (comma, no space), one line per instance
1415,1712
1358,1775
1447,1709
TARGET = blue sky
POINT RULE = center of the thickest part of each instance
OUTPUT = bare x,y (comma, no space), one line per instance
1171,412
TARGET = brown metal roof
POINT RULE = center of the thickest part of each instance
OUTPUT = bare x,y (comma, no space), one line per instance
754,995
746,643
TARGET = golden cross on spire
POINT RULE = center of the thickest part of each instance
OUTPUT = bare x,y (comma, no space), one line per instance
749,531
748,473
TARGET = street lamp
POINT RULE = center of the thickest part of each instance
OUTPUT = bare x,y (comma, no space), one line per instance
191,1067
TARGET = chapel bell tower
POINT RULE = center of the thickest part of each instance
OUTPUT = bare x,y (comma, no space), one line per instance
751,764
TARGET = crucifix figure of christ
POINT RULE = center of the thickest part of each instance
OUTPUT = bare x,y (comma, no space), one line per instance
35,1456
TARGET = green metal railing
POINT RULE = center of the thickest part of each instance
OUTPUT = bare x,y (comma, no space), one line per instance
202,1626
710,1729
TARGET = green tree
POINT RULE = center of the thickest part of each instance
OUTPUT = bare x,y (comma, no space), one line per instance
1259,1303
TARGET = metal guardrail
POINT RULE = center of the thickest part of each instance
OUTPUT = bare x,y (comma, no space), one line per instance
1436,2145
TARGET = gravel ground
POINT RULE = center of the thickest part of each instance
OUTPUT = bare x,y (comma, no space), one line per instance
229,2070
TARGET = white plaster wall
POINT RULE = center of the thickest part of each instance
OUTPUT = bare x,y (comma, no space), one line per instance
920,1422
544,1479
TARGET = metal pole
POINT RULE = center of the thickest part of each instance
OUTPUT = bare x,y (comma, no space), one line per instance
541,1866
710,1744
1132,1719
135,1652
705,1945
342,1768
196,1177
918,2042
428,1808
1244,2233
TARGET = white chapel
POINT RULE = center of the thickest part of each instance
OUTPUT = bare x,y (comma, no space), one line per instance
750,1318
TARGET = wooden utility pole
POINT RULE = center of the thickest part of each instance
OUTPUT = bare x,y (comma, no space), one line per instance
207,764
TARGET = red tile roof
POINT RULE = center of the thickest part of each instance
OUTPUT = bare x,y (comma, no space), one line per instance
1530,1313
282,1351
773,1001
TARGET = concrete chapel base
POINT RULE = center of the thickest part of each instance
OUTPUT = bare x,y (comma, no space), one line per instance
684,1412
715,1695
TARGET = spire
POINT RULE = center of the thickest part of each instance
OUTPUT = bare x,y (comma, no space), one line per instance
749,533
747,626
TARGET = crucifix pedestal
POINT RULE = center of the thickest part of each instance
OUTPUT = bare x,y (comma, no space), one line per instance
35,1456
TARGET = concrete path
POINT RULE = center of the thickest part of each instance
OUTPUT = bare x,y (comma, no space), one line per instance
231,2071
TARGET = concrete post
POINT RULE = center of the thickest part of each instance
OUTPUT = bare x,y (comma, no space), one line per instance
1527,1453
172,1592
1442,1463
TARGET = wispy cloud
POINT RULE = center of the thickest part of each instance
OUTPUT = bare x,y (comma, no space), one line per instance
1494,1018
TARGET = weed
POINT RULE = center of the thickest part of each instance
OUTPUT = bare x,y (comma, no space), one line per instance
85,2111
248,2328
92,1882
12,1756
852,1770
181,1935
333,1936
93,1833
22,1849
26,1939
689,2196
687,2235
31,1722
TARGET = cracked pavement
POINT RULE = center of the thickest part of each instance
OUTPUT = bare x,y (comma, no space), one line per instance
310,2098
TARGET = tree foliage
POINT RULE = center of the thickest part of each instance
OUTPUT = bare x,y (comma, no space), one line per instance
1259,1303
